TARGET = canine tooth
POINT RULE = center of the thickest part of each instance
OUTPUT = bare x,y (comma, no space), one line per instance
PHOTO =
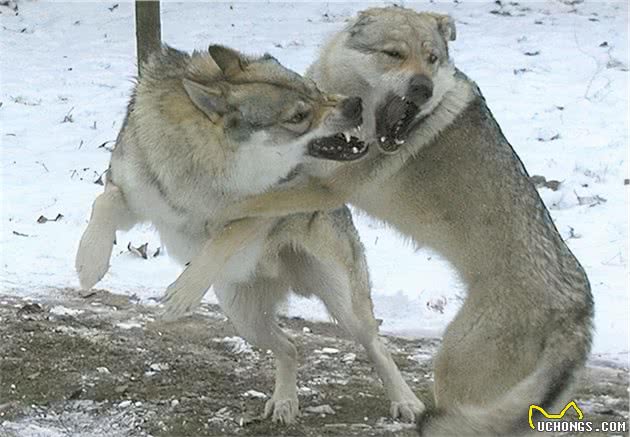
383,139
347,136
359,128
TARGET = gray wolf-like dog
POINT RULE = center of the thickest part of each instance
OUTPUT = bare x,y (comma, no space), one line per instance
204,131
446,177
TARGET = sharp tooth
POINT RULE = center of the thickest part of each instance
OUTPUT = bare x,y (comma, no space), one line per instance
399,142
347,136
404,98
359,128
383,139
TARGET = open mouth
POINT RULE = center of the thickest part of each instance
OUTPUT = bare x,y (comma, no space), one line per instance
338,147
395,119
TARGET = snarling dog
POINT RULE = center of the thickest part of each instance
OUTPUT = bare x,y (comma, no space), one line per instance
204,131
456,186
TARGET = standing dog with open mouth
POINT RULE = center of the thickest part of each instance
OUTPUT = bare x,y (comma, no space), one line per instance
457,186
204,131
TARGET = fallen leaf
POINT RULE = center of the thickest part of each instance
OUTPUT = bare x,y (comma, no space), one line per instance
43,219
140,251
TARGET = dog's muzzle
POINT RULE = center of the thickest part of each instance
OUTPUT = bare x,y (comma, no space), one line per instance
339,147
395,119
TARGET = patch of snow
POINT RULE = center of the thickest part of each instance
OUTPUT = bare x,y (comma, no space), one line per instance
320,409
235,344
129,325
59,310
575,87
159,367
254,394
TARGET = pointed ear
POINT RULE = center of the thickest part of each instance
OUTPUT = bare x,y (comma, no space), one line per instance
210,100
229,61
359,24
446,26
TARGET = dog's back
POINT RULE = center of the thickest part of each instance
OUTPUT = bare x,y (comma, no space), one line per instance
152,160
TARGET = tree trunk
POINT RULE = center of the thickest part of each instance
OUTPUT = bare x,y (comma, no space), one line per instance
148,34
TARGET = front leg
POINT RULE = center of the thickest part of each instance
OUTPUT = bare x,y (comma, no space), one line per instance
310,197
186,293
109,213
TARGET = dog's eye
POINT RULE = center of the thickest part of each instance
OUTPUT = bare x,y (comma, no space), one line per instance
394,54
432,58
299,117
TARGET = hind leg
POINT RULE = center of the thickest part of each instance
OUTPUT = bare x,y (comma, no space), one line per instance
109,213
251,307
345,290
486,350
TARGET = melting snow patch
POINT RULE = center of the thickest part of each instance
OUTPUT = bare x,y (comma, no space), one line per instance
320,409
158,367
235,344
349,358
254,394
128,325
63,311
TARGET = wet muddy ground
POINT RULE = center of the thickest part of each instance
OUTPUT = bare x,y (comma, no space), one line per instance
99,364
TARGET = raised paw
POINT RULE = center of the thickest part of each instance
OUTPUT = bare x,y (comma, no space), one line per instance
95,249
407,411
282,411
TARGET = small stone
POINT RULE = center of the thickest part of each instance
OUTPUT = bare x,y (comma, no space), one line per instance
330,350
102,370
349,357
124,404
174,403
158,367
306,330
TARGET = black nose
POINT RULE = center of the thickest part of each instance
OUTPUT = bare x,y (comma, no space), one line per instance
420,89
351,108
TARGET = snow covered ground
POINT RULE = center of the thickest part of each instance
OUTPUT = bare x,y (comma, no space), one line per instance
554,74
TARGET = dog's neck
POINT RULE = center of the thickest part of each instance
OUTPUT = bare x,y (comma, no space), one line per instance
456,92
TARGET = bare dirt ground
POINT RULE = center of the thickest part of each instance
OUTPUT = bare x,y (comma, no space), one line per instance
99,364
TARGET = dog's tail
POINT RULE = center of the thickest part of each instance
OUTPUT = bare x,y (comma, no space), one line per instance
564,353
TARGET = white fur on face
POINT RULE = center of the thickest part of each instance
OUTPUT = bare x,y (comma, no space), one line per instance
258,165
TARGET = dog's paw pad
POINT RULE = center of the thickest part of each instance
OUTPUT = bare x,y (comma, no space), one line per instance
407,411
283,411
